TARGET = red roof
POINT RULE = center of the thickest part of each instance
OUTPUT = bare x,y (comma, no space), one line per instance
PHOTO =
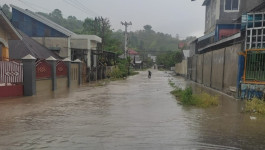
132,52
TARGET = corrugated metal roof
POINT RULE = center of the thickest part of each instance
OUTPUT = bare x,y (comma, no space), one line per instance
45,21
20,48
206,36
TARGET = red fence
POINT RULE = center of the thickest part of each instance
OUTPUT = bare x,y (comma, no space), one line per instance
43,69
11,72
61,69
11,78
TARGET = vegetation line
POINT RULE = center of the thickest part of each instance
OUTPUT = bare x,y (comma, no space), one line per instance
187,98
255,106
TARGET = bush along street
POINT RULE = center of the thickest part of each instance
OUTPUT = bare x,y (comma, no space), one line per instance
187,98
122,70
255,106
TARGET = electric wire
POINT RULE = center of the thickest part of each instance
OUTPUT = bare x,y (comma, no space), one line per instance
86,8
69,2
27,5
30,3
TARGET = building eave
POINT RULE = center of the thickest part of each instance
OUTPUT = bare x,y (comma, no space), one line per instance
233,37
94,38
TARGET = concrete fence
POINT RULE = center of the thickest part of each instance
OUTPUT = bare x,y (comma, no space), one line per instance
217,69
46,76
182,68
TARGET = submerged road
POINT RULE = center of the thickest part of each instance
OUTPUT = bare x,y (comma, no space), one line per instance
133,114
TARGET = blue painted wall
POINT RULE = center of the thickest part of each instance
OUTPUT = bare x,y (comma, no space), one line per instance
32,27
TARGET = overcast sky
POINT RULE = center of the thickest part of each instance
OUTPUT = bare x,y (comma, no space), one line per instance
181,17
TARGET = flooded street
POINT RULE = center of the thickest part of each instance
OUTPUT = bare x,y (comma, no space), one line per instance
133,114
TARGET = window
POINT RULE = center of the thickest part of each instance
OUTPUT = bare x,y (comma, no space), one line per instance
232,5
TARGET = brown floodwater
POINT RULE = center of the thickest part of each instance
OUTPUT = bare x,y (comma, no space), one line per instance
133,114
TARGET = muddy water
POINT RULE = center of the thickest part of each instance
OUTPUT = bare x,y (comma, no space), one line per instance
133,114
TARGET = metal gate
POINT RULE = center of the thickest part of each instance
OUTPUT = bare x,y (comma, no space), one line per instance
11,78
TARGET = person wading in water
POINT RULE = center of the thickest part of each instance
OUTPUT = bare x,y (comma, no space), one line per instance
149,74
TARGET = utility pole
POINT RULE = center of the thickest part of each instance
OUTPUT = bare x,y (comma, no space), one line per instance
126,24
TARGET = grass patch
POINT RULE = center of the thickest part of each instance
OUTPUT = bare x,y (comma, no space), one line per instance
256,106
132,73
186,97
171,83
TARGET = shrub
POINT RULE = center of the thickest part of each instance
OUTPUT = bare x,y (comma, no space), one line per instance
255,106
186,97
206,100
121,70
116,73
171,83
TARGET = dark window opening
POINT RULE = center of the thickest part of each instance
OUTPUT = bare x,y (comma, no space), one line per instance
231,4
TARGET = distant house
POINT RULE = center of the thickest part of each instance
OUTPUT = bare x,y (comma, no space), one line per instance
186,54
134,55
132,52
181,45
7,32
136,60
55,37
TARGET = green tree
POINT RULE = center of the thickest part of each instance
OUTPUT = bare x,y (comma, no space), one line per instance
170,58
56,13
71,22
6,10
148,27
101,27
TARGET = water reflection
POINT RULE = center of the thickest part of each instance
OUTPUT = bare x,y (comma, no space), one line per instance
137,113
226,124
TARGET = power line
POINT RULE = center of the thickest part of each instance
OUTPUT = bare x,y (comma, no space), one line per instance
76,6
86,8
37,6
27,5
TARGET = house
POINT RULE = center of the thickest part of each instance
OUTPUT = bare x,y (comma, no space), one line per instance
136,60
229,56
134,55
221,18
55,37
7,32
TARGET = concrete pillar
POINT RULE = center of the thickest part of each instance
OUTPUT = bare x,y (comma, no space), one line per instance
5,53
52,61
89,74
79,71
67,62
29,75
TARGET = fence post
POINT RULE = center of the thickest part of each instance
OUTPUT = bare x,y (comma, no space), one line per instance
51,60
67,62
29,75
79,71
